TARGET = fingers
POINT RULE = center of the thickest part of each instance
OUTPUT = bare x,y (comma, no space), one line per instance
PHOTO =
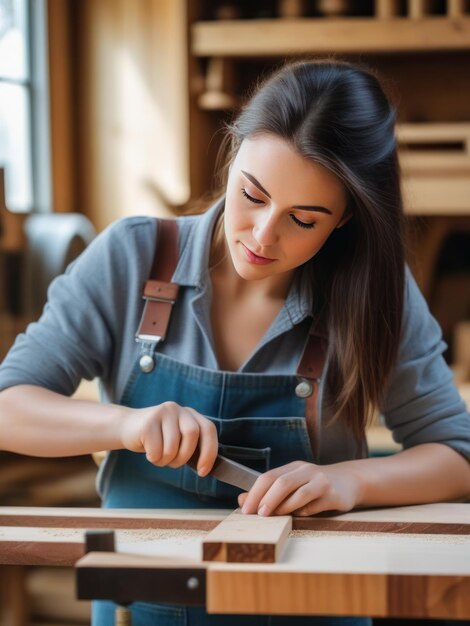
285,489
241,499
189,432
208,443
305,497
262,486
172,434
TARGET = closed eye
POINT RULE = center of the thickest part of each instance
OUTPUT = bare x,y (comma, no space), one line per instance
250,198
294,219
302,224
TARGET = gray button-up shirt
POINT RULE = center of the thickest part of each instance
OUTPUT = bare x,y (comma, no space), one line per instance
88,328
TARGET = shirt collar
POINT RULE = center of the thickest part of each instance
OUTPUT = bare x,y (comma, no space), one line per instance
195,234
299,300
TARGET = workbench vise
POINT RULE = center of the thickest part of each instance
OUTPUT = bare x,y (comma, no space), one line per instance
104,574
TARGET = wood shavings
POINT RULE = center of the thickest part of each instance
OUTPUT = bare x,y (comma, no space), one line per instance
385,537
153,534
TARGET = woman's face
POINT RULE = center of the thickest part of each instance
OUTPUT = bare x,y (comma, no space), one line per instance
280,208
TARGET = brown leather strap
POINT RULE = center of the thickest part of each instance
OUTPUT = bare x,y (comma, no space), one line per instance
159,293
166,251
310,368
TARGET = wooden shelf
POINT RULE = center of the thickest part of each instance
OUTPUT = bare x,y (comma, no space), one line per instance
279,37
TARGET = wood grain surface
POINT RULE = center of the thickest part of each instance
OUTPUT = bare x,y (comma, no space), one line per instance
247,539
393,574
70,517
439,518
377,595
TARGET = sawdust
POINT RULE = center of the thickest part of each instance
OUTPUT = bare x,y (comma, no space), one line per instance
153,534
310,534
72,533
132,535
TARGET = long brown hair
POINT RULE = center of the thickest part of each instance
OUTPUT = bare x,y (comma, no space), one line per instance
336,114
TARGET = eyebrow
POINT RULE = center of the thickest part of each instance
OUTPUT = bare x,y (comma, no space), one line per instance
256,183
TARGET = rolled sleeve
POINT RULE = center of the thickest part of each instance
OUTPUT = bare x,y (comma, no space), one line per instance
422,403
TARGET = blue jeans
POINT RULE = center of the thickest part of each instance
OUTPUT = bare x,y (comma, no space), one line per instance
146,614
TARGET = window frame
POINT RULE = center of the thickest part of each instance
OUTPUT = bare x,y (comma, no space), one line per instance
36,86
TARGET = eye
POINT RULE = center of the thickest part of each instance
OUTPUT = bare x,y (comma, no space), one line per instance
250,198
302,224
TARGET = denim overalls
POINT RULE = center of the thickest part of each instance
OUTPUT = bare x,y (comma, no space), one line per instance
260,422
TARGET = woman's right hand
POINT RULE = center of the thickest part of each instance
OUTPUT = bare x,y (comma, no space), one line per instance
169,434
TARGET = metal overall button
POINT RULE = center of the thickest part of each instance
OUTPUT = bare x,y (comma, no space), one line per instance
146,363
304,389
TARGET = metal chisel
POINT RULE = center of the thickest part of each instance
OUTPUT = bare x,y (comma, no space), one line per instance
229,471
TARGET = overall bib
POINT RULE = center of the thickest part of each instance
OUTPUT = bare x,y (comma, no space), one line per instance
260,421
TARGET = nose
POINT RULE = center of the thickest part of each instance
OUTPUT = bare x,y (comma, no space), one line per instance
266,228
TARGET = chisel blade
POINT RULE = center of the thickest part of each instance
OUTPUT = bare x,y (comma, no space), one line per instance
229,471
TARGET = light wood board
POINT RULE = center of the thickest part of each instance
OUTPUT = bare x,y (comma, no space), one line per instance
448,518
327,573
330,572
240,38
247,539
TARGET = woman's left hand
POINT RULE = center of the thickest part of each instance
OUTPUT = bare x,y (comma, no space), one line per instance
303,489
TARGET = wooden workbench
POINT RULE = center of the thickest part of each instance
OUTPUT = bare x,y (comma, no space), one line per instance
400,562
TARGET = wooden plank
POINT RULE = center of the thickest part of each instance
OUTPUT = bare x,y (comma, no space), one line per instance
277,37
70,517
364,562
40,546
436,195
448,517
63,547
329,573
340,574
247,539
337,594
430,132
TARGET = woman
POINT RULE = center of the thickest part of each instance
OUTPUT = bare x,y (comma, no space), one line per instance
295,321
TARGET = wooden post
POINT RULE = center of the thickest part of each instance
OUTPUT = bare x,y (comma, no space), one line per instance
462,351
217,95
455,8
417,9
288,9
13,599
385,9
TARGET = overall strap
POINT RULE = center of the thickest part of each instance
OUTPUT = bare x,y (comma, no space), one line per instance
309,370
159,293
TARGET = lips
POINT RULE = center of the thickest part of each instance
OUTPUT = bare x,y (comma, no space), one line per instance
254,258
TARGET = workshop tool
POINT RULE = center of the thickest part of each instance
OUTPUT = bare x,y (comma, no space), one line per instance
103,541
229,471
113,576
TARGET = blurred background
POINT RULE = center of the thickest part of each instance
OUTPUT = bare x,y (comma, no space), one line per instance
111,108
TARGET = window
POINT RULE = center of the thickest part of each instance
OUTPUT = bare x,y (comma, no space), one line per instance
24,149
